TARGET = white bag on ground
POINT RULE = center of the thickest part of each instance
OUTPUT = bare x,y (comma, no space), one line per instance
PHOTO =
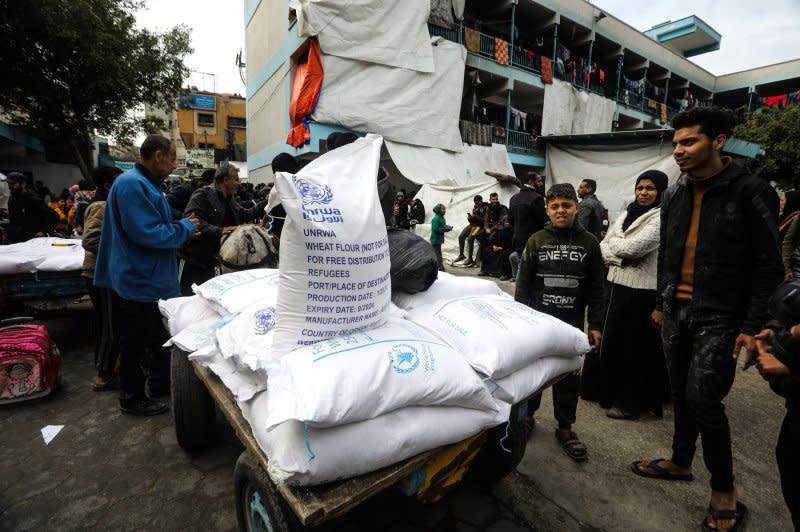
447,286
231,293
352,378
307,456
525,382
499,335
334,265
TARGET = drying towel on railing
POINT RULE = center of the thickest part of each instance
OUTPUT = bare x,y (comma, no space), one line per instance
663,113
472,39
547,70
776,101
501,51
652,104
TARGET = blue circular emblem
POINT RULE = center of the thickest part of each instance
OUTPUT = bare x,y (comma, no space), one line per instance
265,320
404,358
310,193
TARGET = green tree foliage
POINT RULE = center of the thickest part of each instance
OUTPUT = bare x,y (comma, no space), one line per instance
778,133
71,68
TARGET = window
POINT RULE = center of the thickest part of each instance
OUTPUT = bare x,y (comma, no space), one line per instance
204,146
235,121
205,119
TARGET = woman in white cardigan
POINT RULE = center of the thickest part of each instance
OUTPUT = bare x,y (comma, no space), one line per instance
634,371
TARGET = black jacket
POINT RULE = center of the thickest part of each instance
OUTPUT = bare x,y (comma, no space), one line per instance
417,212
527,215
28,214
737,257
590,215
209,205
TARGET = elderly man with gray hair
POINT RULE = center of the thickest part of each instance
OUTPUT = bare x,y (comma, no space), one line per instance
219,213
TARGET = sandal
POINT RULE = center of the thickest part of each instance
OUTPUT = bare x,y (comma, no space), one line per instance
739,514
573,447
660,472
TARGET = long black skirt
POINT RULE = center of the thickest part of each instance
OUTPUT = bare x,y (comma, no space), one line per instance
106,337
634,371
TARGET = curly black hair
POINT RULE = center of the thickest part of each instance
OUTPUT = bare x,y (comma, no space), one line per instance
713,121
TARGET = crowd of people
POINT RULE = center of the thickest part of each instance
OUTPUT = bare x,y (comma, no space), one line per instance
671,294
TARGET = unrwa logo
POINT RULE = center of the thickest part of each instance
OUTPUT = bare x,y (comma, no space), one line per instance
404,358
311,193
265,320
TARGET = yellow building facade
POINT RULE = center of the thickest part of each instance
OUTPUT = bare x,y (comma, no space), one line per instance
213,121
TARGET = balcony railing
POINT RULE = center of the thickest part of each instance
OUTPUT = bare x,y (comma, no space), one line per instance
486,134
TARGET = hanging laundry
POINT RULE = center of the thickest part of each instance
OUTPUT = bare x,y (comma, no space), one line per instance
776,101
531,58
547,70
472,39
602,76
500,51
663,113
652,104
793,97
519,120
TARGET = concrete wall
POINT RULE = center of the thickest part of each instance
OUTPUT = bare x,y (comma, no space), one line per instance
758,76
264,35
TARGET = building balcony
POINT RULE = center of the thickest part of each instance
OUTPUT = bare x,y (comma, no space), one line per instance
487,134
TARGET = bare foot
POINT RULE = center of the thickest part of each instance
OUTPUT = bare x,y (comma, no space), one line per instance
721,500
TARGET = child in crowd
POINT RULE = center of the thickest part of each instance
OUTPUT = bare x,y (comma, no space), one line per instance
561,274
438,228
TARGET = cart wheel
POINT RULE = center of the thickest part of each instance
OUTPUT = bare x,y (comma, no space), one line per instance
192,407
259,506
503,451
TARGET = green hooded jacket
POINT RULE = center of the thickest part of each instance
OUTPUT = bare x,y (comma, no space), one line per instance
437,225
561,273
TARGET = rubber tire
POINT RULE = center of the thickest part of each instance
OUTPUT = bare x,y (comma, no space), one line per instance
494,462
250,479
193,409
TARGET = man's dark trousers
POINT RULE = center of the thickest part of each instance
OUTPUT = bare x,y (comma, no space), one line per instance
189,274
789,463
699,353
141,335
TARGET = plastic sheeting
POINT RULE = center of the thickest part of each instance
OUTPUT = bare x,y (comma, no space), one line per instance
305,92
458,200
385,33
570,111
433,165
614,167
401,105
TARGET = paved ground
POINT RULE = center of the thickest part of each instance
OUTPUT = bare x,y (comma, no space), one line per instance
108,471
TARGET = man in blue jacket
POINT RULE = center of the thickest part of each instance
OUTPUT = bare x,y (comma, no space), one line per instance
136,259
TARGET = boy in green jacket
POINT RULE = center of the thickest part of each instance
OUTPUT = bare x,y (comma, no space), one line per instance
438,228
561,274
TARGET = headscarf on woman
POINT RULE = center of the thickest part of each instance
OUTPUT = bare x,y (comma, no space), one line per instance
661,181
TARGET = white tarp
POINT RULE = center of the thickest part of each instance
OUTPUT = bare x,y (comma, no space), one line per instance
571,111
614,167
400,104
458,200
46,254
433,165
386,33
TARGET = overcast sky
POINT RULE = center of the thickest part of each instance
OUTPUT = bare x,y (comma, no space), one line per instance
753,33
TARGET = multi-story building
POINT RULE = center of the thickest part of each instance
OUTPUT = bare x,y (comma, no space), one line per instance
646,75
206,120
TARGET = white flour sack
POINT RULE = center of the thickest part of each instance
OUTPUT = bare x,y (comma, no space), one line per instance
447,286
183,313
231,293
334,253
357,377
498,335
303,457
248,337
525,382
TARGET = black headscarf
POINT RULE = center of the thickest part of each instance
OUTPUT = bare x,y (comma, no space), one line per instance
660,180
792,204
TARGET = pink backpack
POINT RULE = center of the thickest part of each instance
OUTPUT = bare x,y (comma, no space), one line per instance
29,363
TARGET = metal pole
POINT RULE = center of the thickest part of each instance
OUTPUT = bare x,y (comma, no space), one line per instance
508,115
749,101
666,91
513,19
644,89
619,74
589,65
555,46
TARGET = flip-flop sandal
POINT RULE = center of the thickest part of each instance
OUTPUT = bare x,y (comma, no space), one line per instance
660,472
573,447
739,514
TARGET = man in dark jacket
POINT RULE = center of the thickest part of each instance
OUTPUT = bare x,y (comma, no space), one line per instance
719,261
416,211
219,214
527,215
561,274
590,210
178,198
28,214
468,235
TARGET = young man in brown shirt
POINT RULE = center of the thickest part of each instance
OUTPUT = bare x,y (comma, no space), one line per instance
719,261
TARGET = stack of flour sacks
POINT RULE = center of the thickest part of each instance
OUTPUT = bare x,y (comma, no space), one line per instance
422,371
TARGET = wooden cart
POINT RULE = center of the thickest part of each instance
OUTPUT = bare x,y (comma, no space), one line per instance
263,505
